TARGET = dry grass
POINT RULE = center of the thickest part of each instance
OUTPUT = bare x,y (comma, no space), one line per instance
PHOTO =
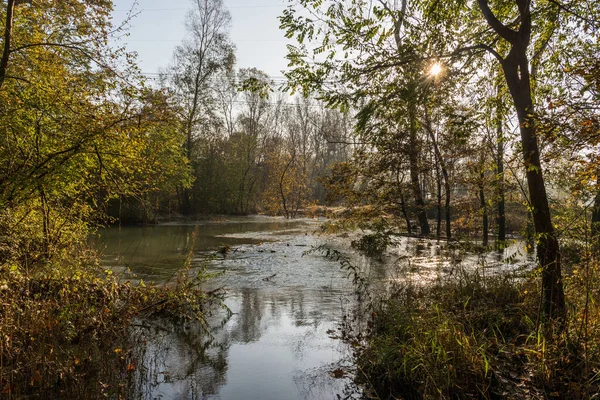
476,337
67,335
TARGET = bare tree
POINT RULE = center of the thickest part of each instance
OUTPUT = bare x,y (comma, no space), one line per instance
206,51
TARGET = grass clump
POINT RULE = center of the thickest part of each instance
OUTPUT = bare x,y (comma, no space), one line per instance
372,244
376,243
475,337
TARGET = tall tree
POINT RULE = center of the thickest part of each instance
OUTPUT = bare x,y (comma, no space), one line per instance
205,51
516,68
500,192
365,76
253,128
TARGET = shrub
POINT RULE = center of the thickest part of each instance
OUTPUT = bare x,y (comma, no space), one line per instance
476,337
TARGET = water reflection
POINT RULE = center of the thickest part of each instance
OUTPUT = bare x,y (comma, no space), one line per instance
276,342
271,347
422,261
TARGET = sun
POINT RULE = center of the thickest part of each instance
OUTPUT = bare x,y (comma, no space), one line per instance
435,69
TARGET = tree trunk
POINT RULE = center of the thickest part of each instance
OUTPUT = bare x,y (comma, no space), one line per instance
596,211
403,206
485,225
440,161
447,204
186,202
403,202
413,150
414,172
8,24
516,72
45,211
439,198
281,191
501,217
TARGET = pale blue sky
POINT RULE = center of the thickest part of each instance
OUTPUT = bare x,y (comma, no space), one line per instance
159,27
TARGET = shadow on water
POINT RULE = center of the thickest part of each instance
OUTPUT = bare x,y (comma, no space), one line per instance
278,337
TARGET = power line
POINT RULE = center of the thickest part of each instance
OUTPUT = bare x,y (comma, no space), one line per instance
187,9
233,40
275,80
158,74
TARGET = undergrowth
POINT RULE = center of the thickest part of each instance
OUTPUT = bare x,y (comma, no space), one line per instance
475,336
65,326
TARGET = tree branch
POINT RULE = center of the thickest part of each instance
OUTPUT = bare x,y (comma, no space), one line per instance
501,29
455,53
17,78
569,10
478,47
397,21
72,46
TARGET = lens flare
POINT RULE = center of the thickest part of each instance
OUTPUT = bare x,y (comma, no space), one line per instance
435,69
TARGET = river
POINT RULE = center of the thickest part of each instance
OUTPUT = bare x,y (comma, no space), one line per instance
277,343
279,337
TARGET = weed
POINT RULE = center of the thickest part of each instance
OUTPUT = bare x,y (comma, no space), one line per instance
65,331
478,337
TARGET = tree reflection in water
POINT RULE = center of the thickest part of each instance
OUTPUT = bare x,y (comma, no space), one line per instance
274,345
278,343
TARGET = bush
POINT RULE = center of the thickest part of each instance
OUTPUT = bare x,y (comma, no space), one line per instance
65,328
471,337
373,244
376,243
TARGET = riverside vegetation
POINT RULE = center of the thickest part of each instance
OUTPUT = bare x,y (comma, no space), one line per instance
479,335
66,325
471,329
450,120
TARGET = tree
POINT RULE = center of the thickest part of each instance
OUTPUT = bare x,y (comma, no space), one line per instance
76,129
206,51
361,78
253,122
370,54
500,192
515,66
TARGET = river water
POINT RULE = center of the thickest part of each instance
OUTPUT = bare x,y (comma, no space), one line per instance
279,337
285,307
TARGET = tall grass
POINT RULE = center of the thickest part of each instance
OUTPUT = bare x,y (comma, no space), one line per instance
65,326
476,336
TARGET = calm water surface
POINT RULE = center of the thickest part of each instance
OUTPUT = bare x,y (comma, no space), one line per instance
285,305
279,341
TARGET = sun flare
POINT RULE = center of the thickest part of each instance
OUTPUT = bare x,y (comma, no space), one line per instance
435,69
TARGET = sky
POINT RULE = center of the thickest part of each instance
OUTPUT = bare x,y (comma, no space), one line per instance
159,26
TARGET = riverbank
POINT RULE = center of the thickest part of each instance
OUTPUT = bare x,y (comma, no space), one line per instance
475,336
66,331
106,331
445,319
